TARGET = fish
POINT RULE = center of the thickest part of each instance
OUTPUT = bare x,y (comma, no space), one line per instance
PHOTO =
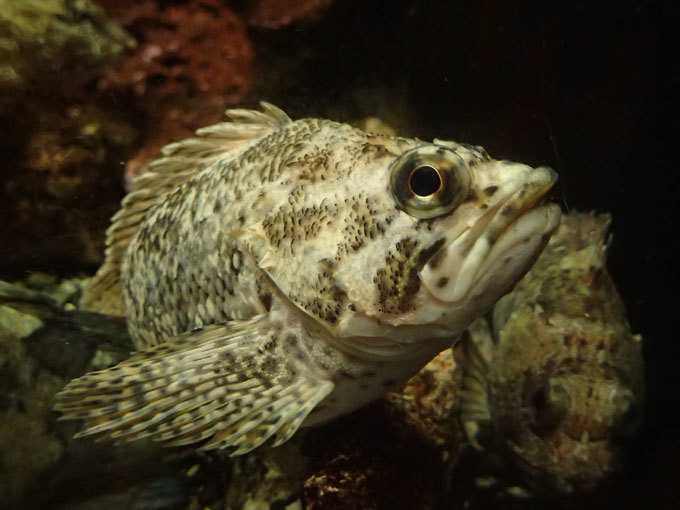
278,273
553,377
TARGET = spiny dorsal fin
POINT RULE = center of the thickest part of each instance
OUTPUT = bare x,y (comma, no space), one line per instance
228,386
179,161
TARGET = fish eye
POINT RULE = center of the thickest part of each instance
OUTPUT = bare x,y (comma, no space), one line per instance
429,181
548,405
425,181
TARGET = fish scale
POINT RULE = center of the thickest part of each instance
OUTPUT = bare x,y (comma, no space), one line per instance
276,273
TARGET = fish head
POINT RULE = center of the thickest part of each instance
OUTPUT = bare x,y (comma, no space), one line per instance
554,379
399,239
492,236
563,416
463,229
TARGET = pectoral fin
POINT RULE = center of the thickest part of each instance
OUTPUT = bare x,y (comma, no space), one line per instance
229,386
475,412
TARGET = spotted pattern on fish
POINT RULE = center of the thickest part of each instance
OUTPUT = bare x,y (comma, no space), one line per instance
276,273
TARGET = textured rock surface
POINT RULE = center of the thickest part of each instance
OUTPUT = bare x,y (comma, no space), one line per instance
28,443
61,181
72,115
192,60
60,175
47,41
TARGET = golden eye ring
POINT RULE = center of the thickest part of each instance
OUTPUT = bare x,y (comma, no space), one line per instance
424,181
429,181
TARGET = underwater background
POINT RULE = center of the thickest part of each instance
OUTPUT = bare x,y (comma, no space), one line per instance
90,90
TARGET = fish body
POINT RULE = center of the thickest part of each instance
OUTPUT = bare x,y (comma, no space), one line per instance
554,381
277,272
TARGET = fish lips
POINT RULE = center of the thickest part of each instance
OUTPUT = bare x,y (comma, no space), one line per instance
492,255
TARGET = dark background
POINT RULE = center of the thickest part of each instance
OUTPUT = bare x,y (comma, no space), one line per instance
588,88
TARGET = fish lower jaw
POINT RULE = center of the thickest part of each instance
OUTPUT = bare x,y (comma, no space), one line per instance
517,247
489,266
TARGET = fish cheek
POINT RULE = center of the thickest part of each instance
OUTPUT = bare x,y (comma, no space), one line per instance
398,280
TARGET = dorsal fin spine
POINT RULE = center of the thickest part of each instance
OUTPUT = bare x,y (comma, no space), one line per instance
179,162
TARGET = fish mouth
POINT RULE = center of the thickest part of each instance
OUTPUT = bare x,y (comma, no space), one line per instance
497,250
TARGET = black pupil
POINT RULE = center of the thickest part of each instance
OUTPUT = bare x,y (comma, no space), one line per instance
425,181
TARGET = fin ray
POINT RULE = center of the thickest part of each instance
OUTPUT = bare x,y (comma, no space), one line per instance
220,385
474,394
179,162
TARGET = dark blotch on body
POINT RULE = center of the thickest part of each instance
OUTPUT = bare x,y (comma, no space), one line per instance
490,190
266,301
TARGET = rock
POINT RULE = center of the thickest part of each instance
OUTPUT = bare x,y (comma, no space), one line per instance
17,324
43,41
61,146
193,59
278,13
28,444
60,185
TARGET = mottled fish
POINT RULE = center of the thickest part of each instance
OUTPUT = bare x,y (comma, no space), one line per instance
277,272
554,382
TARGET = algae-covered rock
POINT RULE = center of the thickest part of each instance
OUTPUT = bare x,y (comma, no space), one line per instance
17,324
27,443
61,147
43,37
274,14
44,342
194,59
405,451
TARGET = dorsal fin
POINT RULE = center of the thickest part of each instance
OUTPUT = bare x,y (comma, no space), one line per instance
179,161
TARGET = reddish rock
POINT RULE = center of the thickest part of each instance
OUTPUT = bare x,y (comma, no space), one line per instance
193,59
397,453
278,13
384,463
